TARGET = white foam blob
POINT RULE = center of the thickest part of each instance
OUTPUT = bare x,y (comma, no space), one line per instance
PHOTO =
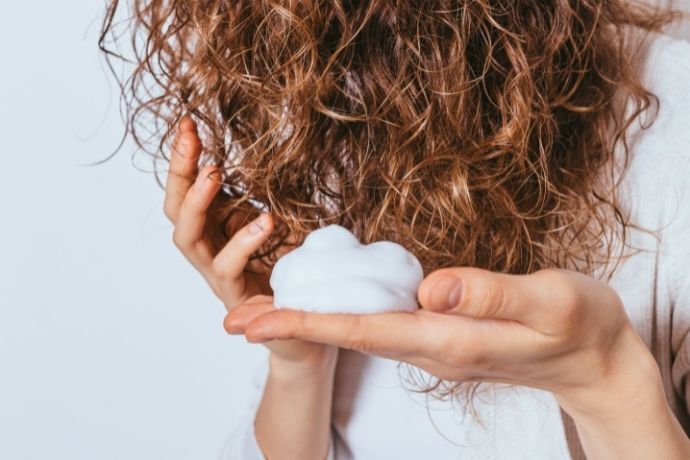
333,273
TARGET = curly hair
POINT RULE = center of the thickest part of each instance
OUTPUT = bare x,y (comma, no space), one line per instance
481,133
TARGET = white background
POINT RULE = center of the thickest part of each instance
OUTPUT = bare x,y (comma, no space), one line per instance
111,345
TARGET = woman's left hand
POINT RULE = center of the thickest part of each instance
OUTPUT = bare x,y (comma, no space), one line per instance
554,329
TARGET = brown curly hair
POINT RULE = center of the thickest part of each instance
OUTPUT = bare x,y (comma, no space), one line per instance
473,132
480,133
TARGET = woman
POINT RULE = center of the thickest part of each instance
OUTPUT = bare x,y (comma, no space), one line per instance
533,155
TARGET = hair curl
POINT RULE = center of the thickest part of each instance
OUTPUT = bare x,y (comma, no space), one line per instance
478,132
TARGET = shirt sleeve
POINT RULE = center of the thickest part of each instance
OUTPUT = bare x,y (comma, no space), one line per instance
680,337
677,251
666,175
679,246
241,444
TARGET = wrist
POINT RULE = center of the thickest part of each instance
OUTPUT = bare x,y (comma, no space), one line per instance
626,380
632,419
624,414
319,365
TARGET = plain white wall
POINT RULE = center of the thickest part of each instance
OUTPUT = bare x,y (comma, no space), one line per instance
111,346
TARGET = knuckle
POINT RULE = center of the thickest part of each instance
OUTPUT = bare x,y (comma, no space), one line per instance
566,295
222,266
570,315
569,297
181,145
169,209
562,281
218,265
179,240
455,357
566,302
612,299
477,360
188,139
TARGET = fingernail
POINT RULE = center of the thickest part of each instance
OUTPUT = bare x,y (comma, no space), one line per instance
182,147
259,224
450,287
178,150
185,124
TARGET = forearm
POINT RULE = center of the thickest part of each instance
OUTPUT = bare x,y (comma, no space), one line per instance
628,416
650,433
294,417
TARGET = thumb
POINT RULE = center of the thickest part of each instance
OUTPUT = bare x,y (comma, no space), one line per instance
474,292
538,300
442,290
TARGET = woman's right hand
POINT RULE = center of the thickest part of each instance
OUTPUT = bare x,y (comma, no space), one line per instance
189,192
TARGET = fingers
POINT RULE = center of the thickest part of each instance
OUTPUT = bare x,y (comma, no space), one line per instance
536,300
383,334
237,319
231,261
189,195
183,167
454,341
189,235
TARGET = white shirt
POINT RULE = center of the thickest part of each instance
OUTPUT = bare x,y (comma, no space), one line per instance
374,417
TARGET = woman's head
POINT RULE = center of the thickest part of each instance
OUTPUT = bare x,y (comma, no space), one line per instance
473,132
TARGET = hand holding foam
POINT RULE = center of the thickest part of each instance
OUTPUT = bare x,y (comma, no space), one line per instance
333,273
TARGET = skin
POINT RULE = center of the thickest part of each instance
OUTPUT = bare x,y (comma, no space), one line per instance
296,403
554,329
